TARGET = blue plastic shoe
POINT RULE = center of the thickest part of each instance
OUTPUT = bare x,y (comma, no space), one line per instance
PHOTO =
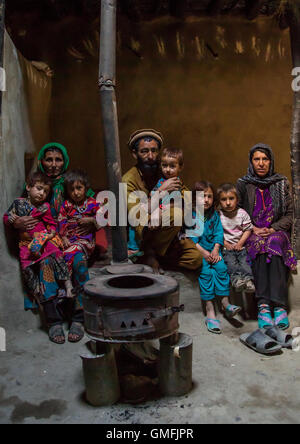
213,326
281,318
231,311
264,316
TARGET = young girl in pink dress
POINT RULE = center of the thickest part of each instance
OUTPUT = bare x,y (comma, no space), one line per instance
45,273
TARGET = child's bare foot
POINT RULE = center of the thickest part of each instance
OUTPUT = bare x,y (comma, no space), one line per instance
210,310
225,302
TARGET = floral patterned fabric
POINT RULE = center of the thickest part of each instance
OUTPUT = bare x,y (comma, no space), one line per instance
22,207
276,244
43,274
68,226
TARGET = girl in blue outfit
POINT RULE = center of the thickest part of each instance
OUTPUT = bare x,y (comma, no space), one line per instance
214,279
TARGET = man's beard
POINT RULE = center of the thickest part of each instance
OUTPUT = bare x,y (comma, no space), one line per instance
149,172
148,169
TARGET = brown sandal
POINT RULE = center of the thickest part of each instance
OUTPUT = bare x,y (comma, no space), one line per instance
76,330
55,332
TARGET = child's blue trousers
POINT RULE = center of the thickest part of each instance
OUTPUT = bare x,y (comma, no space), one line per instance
214,280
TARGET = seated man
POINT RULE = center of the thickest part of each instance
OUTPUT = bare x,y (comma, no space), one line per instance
161,242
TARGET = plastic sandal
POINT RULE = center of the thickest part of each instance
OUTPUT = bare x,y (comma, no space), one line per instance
55,332
213,325
260,342
281,318
232,310
264,317
76,329
284,339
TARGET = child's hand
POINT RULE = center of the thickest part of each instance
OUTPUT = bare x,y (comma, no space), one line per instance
87,225
52,234
238,247
173,184
66,242
207,256
215,256
229,246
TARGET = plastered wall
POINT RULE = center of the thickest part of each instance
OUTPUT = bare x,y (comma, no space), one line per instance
17,138
214,87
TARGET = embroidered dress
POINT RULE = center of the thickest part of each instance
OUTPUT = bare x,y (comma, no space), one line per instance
276,244
82,247
68,219
42,273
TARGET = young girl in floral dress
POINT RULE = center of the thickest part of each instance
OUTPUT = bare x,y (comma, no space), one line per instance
77,211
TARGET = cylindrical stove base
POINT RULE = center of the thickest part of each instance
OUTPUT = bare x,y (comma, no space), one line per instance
100,374
175,365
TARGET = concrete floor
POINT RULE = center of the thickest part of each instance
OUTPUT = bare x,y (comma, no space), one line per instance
41,382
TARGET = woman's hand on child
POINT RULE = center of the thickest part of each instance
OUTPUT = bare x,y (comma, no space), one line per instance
25,223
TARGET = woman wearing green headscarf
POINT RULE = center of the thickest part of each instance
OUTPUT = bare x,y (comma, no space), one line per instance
53,160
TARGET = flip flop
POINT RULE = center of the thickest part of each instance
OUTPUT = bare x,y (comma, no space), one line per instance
260,342
76,329
284,339
55,332
231,310
213,325
281,318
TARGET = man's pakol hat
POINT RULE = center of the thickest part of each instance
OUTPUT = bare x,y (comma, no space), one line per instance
140,134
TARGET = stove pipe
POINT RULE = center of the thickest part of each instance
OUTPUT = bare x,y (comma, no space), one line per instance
107,84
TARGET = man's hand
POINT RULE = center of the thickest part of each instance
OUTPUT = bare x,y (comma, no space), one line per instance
155,220
87,225
173,184
26,223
